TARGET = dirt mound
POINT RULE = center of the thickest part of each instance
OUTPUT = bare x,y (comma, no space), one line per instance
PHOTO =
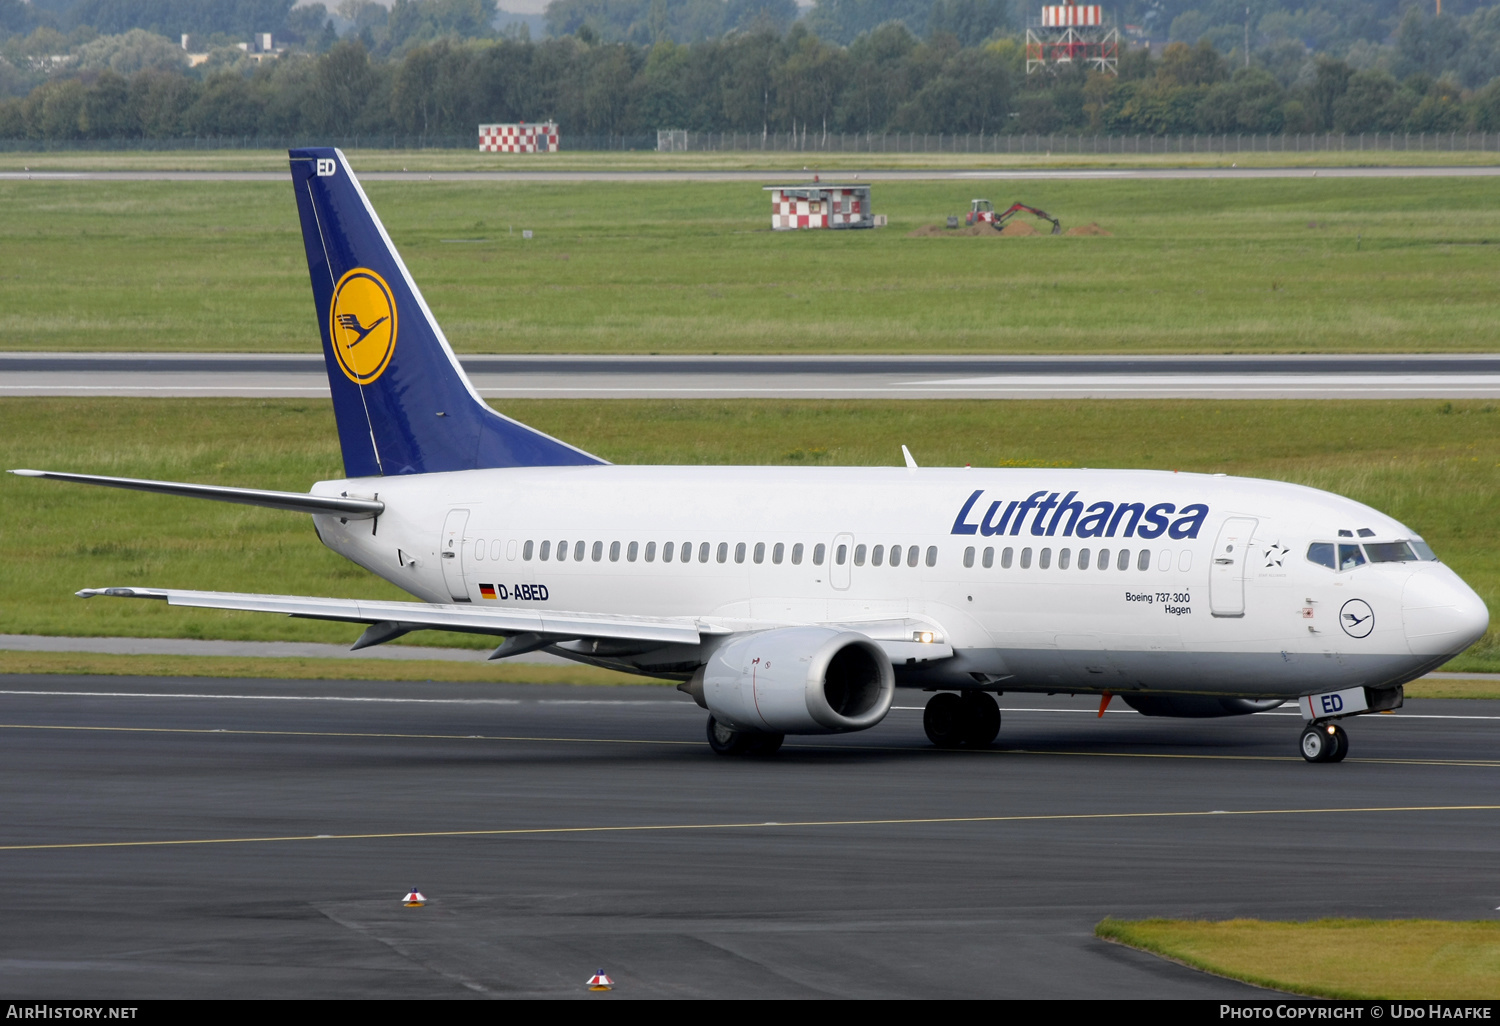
1092,228
1019,228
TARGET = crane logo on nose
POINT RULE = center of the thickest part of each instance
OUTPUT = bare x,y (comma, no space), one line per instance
1357,618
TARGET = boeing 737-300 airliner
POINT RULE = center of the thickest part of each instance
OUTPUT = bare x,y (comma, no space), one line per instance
795,600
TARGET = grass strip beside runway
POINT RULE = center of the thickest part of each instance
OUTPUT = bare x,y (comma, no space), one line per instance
1202,266
1413,959
296,668
1429,464
1453,689
1432,465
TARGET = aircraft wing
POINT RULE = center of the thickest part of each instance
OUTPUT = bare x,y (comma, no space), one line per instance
523,630
904,640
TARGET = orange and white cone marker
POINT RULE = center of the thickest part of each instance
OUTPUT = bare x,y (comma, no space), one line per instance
414,899
599,981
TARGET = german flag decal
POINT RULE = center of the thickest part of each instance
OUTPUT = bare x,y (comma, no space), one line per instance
487,591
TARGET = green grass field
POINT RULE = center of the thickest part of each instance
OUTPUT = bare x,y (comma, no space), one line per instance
1411,959
1305,265
1432,465
298,668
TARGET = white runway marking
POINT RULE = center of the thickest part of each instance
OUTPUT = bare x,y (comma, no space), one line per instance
1351,376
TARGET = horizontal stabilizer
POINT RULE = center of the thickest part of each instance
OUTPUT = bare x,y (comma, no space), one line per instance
432,616
295,502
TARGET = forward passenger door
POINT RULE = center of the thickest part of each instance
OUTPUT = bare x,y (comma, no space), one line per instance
1226,576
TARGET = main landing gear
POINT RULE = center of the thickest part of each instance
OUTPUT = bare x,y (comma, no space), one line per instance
1324,742
969,719
725,740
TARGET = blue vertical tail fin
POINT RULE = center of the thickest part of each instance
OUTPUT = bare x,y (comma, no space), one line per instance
401,400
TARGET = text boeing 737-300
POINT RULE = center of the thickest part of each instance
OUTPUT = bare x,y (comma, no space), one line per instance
795,600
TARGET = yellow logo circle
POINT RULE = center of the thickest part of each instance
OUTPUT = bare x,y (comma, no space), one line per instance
362,324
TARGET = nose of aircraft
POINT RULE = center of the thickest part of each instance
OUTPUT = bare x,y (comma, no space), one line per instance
1441,613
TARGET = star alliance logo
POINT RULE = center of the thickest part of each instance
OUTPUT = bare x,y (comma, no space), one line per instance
1275,554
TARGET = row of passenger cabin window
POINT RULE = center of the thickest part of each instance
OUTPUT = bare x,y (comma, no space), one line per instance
1347,556
671,552
1102,560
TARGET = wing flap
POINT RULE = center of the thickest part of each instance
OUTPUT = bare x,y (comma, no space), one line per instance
430,616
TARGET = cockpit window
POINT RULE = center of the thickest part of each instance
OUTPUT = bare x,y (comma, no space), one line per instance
1389,552
1321,553
1423,550
1350,557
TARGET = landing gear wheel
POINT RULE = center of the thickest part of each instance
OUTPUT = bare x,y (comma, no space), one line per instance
726,740
944,720
1320,742
981,719
765,744
1343,744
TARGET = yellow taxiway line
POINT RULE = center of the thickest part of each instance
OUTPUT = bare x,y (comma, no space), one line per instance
771,824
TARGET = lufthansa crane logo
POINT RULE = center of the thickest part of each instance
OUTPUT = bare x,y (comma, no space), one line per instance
1357,618
362,324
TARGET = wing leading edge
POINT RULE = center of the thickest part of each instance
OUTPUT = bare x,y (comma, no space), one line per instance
390,620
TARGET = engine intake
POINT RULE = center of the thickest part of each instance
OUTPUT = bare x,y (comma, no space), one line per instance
799,680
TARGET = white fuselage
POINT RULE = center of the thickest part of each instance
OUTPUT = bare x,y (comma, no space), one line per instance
1199,584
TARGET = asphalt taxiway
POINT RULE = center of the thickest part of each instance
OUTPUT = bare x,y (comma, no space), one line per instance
1351,376
228,838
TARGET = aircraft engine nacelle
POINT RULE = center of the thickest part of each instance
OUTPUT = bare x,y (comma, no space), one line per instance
1197,706
799,680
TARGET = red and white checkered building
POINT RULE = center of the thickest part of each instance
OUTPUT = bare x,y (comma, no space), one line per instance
522,138
820,206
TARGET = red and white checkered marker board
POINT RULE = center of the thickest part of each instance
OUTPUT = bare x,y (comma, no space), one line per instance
817,208
600,980
1071,16
522,138
415,897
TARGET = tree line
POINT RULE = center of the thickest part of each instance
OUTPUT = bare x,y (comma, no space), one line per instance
887,79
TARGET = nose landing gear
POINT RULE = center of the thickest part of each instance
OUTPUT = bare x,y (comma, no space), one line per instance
1324,742
970,719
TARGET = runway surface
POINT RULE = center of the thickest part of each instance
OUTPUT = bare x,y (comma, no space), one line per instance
237,838
806,377
797,170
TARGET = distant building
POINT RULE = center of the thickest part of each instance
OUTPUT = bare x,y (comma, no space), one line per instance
519,138
820,205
